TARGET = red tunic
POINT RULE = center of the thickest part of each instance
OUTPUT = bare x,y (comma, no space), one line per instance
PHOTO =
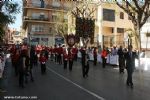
104,53
65,55
50,50
42,59
95,52
60,50
74,50
70,56
15,57
56,50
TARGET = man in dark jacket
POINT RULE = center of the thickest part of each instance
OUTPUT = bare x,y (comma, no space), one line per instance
22,69
121,60
130,65
85,62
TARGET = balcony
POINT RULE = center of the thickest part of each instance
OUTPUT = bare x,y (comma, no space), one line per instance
37,18
45,6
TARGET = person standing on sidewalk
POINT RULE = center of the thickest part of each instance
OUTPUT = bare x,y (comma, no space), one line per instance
2,86
104,57
130,65
95,56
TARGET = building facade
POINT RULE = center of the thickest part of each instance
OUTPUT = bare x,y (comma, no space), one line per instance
112,23
145,35
8,37
12,36
40,18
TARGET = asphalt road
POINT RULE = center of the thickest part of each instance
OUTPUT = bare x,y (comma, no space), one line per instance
60,84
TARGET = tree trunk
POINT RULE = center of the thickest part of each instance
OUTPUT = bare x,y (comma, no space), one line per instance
137,37
138,40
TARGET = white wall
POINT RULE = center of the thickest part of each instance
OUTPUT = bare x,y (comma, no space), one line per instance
145,41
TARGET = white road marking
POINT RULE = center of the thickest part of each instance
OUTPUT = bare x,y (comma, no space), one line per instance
95,95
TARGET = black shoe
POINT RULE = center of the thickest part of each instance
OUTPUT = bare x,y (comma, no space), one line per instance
83,76
32,80
127,84
86,75
131,86
70,70
26,81
22,86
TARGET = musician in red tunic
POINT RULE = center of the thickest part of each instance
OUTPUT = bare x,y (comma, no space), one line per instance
65,57
60,52
56,53
70,58
51,52
15,61
75,52
43,63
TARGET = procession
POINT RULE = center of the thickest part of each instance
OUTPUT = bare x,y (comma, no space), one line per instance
74,49
24,58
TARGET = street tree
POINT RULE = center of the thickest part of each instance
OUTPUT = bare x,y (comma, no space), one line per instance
61,29
83,11
61,25
138,11
8,10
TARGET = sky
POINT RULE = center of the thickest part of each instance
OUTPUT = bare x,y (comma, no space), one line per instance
18,21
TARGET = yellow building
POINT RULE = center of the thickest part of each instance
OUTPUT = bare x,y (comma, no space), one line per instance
40,18
111,25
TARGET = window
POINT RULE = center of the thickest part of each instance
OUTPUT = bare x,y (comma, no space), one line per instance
50,30
54,18
112,30
121,15
36,3
37,28
55,3
120,30
108,15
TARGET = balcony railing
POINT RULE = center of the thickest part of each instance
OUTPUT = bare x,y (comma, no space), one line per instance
39,18
47,6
